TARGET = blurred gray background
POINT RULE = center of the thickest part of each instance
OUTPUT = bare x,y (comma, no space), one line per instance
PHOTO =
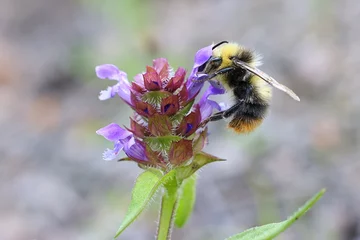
53,183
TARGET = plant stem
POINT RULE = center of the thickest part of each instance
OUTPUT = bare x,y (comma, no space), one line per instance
167,212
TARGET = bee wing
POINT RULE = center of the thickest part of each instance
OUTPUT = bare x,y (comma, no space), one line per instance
266,78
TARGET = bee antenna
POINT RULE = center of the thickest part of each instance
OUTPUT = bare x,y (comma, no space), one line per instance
216,45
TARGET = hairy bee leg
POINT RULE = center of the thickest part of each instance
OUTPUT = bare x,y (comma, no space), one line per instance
209,77
224,114
221,71
221,115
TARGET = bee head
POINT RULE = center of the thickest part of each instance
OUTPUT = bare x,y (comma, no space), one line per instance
213,63
225,53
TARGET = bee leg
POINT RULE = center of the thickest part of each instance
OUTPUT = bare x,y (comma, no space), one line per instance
209,77
221,71
222,115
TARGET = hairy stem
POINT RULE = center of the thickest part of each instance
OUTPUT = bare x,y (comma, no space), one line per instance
167,212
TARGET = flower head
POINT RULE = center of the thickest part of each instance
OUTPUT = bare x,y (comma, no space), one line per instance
166,127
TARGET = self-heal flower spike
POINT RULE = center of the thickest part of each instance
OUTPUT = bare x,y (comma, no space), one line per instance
166,128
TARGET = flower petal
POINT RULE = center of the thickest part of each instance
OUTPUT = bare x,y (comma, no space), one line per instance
211,91
202,56
136,151
143,108
206,111
216,84
139,79
109,71
122,88
152,79
106,94
201,140
177,80
190,123
194,88
160,63
162,67
223,106
194,83
138,129
207,106
137,88
114,132
112,154
170,105
183,96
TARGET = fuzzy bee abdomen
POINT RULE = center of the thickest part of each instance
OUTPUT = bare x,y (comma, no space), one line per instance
248,117
244,125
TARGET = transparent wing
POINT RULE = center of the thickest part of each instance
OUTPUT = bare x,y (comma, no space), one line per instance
266,78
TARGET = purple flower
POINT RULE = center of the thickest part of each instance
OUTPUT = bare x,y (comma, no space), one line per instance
206,105
166,128
194,83
119,136
122,88
123,140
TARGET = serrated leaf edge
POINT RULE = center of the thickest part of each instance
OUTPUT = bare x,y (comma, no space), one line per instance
155,188
287,223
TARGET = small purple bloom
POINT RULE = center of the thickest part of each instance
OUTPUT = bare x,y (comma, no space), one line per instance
113,132
139,79
109,71
122,88
194,82
201,57
121,138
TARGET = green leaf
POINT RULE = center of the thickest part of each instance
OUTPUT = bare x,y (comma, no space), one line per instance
270,231
186,201
200,160
145,187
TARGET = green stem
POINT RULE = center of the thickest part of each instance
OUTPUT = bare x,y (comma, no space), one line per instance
167,212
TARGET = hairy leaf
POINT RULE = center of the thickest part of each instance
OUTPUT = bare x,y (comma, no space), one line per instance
200,160
145,187
271,230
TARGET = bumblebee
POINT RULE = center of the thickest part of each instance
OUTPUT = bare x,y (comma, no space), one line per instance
235,67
